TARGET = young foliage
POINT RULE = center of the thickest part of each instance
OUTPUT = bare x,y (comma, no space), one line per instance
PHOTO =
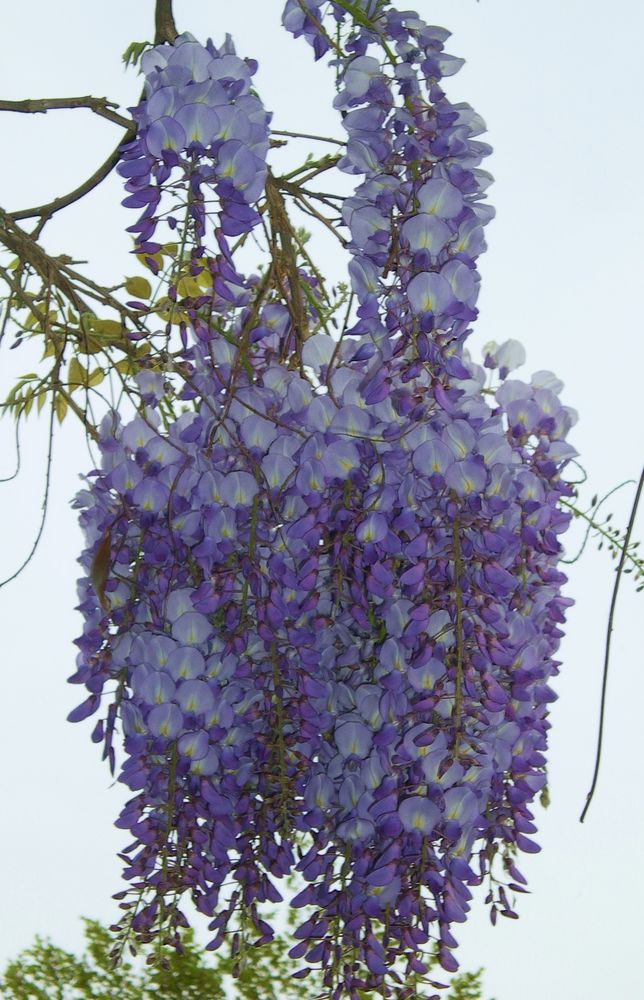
47,972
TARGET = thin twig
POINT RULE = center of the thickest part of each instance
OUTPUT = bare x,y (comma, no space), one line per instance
16,471
308,135
21,295
306,206
458,690
45,502
609,631
41,105
281,226
80,413
593,524
46,211
27,249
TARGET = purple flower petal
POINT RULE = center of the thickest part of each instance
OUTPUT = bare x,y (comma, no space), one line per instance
429,292
353,739
418,813
199,122
165,133
196,696
165,720
426,232
439,197
191,629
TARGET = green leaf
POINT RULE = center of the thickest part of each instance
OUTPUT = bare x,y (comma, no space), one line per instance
140,288
76,374
110,328
188,287
60,407
134,51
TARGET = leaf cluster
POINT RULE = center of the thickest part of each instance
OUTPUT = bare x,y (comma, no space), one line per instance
47,972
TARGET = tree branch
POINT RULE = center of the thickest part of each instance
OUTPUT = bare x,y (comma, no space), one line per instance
609,632
47,210
308,135
25,248
99,105
166,29
281,226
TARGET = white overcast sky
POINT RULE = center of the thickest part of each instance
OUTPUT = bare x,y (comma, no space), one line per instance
560,85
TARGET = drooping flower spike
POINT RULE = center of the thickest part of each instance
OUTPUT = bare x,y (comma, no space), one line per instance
332,607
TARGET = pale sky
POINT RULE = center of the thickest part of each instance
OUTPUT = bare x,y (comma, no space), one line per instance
559,86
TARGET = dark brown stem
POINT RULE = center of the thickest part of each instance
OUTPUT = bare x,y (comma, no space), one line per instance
281,227
305,204
166,29
308,135
609,632
458,689
18,242
35,106
80,413
47,210
20,295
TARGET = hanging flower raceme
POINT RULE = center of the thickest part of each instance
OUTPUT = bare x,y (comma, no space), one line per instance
200,149
416,222
332,630
322,605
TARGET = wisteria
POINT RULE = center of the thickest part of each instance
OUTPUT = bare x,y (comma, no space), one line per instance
322,604
201,135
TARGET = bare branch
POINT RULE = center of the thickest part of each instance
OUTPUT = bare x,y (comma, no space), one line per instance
609,633
44,212
45,502
281,226
99,105
308,135
296,192
25,248
166,29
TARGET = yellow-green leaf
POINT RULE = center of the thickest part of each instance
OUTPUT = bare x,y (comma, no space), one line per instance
89,345
60,407
140,288
108,328
76,374
188,287
168,312
205,278
96,377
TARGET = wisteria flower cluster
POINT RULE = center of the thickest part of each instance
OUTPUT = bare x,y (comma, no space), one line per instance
200,150
325,597
416,222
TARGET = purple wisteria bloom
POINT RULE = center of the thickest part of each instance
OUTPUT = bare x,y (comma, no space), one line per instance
322,605
430,293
